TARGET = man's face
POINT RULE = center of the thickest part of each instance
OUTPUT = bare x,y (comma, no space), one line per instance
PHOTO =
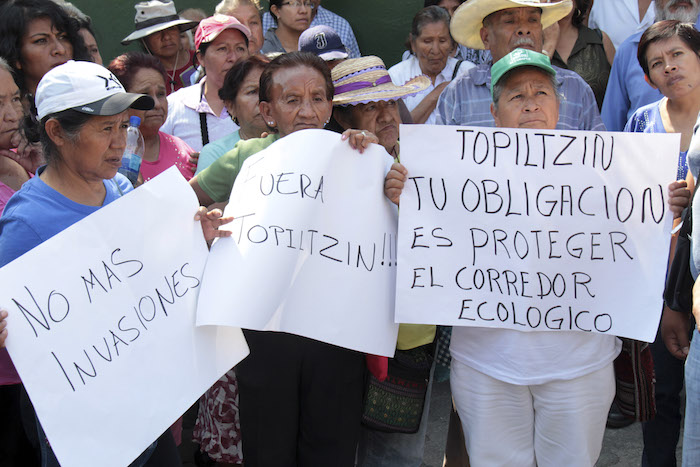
507,30
680,10
381,118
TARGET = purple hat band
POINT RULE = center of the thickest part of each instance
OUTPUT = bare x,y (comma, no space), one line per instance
358,85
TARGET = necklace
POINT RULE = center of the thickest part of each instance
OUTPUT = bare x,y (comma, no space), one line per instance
172,77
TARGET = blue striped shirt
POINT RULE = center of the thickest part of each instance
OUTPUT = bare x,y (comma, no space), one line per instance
466,101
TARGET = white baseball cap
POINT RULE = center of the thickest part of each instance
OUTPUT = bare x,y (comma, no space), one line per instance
85,87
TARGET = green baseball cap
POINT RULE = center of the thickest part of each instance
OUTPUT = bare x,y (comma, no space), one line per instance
518,58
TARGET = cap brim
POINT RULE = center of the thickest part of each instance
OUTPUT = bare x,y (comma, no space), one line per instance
333,55
383,92
468,18
182,24
117,103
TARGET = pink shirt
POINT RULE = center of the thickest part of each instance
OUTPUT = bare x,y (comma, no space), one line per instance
8,374
173,151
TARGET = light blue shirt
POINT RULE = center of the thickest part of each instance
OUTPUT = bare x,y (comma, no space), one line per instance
466,101
627,90
216,149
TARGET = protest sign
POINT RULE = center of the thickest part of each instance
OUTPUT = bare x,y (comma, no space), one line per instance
313,249
535,230
101,325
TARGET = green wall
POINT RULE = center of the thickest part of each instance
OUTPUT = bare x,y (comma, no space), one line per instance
381,26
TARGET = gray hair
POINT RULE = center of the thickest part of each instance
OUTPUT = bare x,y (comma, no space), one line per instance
6,66
225,6
499,87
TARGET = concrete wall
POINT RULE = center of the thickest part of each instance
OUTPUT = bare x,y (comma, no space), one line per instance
381,26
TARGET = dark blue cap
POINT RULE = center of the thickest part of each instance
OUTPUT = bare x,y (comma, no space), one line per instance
324,42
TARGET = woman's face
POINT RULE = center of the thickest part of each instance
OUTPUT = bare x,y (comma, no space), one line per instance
297,100
432,47
149,81
228,48
249,16
91,45
293,14
674,69
450,5
165,43
96,154
528,100
246,106
10,109
42,48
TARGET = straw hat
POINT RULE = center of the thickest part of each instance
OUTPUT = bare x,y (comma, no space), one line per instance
365,79
155,15
468,18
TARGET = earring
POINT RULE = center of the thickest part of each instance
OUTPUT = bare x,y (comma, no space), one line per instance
271,123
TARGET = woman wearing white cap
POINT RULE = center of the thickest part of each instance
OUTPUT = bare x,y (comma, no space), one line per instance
158,27
197,114
83,116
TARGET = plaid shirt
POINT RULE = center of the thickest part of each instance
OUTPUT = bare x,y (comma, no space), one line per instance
466,101
327,18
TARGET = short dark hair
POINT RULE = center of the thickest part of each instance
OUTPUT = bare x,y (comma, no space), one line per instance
293,60
71,122
15,15
581,9
664,30
237,74
126,65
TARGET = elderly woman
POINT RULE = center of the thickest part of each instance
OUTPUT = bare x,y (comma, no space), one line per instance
300,399
36,36
158,31
197,114
144,74
240,96
83,125
14,444
528,406
359,103
292,18
432,46
249,13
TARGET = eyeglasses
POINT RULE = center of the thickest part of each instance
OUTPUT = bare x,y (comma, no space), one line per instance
298,4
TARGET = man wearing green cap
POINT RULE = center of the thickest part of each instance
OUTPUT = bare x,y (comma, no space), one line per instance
502,26
528,398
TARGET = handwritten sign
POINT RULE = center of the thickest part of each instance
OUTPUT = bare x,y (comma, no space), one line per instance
535,230
313,250
102,325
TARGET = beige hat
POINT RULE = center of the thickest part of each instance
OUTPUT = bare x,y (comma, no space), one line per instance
468,19
365,79
153,16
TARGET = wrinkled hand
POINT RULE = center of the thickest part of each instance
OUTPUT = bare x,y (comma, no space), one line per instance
3,328
674,332
359,139
678,197
192,160
394,182
28,155
211,221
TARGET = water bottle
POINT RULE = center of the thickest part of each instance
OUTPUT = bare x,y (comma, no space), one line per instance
133,152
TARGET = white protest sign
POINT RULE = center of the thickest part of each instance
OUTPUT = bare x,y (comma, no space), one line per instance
534,229
313,247
102,325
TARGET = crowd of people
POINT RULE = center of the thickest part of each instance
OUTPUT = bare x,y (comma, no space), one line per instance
214,88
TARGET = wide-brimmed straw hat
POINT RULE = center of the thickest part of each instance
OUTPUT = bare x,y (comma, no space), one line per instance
468,18
365,79
153,16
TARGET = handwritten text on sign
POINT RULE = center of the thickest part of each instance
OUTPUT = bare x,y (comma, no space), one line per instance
534,229
313,247
102,325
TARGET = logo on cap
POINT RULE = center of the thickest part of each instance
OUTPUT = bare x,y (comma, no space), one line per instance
111,82
321,41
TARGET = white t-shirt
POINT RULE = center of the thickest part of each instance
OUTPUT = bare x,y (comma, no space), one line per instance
529,358
410,68
619,19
